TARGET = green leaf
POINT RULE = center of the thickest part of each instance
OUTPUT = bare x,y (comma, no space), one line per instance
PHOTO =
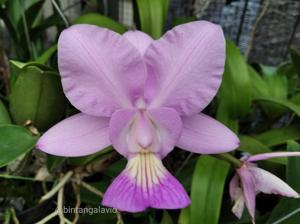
235,91
14,142
37,96
273,85
282,102
166,219
223,115
47,55
254,146
287,206
153,15
182,20
4,116
259,86
17,64
31,14
100,20
279,135
184,216
2,1
207,189
295,55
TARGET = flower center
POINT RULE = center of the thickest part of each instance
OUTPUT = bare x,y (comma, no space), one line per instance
142,134
146,169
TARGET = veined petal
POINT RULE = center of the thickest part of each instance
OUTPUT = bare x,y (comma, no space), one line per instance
203,134
270,155
249,189
185,67
139,39
144,183
78,135
268,183
101,71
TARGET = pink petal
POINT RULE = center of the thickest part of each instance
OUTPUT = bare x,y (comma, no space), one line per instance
203,134
119,126
144,183
139,39
78,135
234,187
268,183
101,71
249,190
264,156
185,67
236,194
169,126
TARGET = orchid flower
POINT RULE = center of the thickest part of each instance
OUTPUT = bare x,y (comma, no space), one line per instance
142,96
251,180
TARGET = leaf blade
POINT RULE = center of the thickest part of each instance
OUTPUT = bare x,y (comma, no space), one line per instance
207,189
14,142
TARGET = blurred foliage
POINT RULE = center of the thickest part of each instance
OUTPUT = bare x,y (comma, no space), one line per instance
260,103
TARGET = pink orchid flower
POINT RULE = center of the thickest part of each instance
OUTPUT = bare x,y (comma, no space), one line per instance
251,180
143,97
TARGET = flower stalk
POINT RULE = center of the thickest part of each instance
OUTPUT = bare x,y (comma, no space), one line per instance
231,159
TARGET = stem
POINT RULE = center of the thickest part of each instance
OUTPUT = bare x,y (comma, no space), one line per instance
48,217
229,158
14,216
60,198
62,182
184,163
60,13
26,31
78,201
255,26
7,216
287,216
91,189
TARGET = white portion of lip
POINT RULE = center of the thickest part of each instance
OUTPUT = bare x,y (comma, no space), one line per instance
239,204
146,169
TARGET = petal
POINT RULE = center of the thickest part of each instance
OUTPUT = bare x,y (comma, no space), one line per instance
144,183
185,67
249,190
203,134
101,71
139,39
264,156
169,126
78,135
156,130
236,194
268,183
239,206
234,187
119,126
